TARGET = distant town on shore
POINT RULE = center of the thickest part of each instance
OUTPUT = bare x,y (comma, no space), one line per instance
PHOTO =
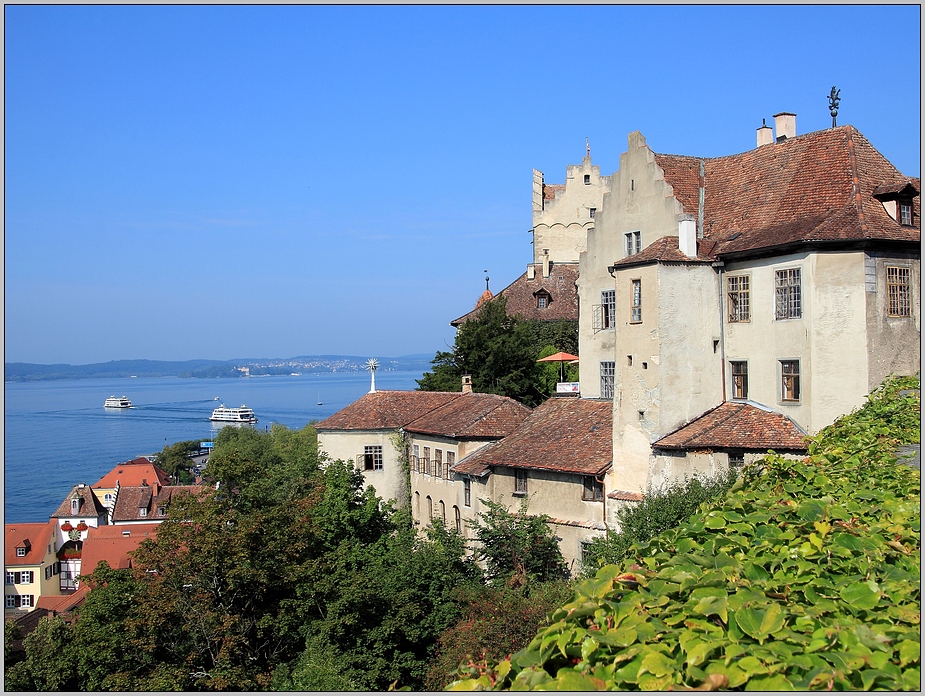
243,367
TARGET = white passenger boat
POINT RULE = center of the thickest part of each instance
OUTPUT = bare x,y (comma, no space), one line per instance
117,402
233,415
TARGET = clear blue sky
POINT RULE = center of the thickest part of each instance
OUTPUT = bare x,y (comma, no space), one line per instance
223,182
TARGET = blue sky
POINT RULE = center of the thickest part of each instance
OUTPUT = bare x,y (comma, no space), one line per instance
248,181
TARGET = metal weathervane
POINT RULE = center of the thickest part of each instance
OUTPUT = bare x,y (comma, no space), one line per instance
833,103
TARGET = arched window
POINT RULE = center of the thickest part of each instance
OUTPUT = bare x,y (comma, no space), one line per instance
417,505
430,508
443,512
458,519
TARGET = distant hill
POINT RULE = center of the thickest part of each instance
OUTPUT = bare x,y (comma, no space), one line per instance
31,372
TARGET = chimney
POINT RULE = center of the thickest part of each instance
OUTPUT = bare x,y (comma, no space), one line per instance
144,482
157,487
531,271
765,134
467,384
785,124
687,235
545,263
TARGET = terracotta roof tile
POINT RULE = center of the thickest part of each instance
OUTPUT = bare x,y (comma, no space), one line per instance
626,495
61,604
666,250
737,425
550,191
386,410
132,473
113,544
567,435
473,415
521,295
34,536
132,498
817,187
89,507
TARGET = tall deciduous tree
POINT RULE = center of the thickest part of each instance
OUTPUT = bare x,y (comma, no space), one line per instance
497,350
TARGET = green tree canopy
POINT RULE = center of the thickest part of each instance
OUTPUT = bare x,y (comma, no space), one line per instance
497,350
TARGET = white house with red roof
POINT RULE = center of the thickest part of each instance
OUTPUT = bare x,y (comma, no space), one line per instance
31,564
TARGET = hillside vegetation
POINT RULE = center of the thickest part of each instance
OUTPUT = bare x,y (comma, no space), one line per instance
805,576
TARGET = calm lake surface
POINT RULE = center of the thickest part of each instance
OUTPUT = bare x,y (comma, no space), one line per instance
57,433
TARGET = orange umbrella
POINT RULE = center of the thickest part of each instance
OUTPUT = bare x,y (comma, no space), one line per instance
560,358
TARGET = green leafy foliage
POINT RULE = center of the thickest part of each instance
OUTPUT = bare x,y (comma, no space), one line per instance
175,460
497,350
806,576
516,544
661,509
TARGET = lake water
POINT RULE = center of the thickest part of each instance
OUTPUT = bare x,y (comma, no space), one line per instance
57,433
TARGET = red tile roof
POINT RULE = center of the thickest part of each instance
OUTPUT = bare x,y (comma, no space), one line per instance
473,415
737,425
59,604
666,250
550,191
133,473
386,410
34,536
89,507
132,498
567,435
521,295
626,495
817,187
113,544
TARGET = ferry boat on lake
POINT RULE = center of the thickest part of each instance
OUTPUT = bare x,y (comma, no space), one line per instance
233,415
117,402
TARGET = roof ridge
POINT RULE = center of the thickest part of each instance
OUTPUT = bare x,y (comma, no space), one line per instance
855,179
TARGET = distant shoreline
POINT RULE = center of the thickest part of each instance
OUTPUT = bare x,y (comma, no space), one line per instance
208,369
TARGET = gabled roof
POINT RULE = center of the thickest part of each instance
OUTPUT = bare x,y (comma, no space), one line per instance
386,410
34,536
737,425
113,544
817,187
666,250
566,435
521,295
132,498
473,415
90,507
133,473
60,604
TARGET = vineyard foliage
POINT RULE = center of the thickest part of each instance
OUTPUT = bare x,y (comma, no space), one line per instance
805,576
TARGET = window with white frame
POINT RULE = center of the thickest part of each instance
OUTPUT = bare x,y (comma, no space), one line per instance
737,298
25,600
11,601
541,301
21,551
739,370
632,243
520,482
636,306
372,457
899,291
417,458
10,577
467,493
788,294
607,376
905,214
790,380
608,308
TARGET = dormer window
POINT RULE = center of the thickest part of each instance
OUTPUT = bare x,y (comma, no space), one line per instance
543,298
75,505
142,512
20,551
905,213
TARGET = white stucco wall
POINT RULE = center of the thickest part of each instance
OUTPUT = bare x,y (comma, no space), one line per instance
388,483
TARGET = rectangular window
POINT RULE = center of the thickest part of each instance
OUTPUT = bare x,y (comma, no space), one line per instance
25,600
905,214
737,299
592,488
438,463
899,291
737,460
790,380
416,458
372,457
467,493
520,482
636,307
48,571
21,551
27,576
739,379
607,373
142,512
541,301
632,243
788,296
11,601
591,212
608,308
426,462
10,578
450,463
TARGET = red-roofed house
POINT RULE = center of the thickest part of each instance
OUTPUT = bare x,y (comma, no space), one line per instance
136,472
557,458
30,564
786,276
